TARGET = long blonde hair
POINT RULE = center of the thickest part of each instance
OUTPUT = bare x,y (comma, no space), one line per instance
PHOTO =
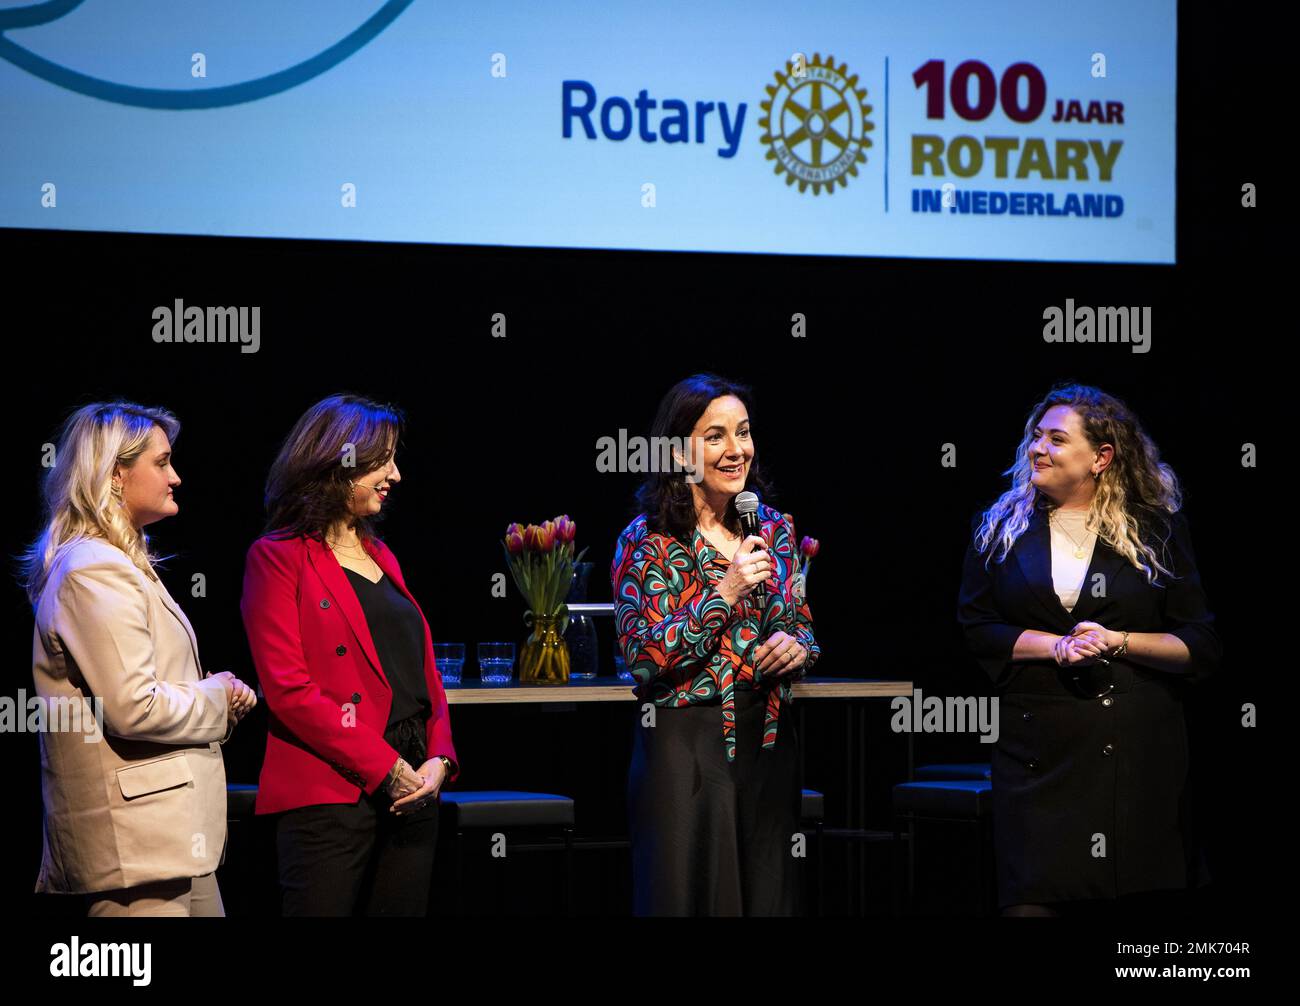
77,490
1136,492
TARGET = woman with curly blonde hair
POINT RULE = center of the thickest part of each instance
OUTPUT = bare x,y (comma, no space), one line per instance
135,815
1081,599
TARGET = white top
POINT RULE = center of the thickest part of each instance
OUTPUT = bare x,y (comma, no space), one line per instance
1068,571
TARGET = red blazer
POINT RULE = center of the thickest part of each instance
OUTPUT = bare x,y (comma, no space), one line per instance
327,697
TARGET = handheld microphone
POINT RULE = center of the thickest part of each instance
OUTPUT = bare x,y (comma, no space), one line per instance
747,508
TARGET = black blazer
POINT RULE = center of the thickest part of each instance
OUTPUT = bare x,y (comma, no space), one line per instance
1090,794
998,603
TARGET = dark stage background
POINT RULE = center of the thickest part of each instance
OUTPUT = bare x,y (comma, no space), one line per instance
900,357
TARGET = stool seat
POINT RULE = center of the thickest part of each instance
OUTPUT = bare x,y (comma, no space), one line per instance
962,770
968,799
812,807
506,808
241,798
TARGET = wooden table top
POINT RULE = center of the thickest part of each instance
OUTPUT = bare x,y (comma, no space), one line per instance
473,692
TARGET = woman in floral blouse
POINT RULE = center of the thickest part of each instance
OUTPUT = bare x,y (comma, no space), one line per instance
714,788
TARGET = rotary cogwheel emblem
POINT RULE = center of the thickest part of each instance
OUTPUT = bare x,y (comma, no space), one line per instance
815,125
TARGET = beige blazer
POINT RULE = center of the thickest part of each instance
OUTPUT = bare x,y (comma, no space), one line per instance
145,800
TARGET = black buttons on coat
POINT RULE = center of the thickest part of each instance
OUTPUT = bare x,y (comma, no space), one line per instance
352,777
340,649
1033,765
356,697
1107,701
1027,717
1108,749
324,602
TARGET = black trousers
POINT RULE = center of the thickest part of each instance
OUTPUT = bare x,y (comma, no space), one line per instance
359,859
712,837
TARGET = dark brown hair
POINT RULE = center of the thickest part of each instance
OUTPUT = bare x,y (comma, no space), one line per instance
665,497
337,439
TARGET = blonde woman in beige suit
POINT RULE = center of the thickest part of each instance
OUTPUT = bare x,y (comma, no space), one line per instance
135,813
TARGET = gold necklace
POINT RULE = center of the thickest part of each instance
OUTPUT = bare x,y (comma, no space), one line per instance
1078,549
363,557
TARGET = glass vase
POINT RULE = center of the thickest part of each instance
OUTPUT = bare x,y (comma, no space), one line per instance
584,661
545,657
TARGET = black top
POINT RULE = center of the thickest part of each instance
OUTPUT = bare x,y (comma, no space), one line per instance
398,633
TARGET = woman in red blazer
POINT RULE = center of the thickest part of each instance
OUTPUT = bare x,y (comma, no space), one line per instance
359,741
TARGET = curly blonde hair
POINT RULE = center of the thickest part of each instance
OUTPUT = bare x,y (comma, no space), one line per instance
1135,492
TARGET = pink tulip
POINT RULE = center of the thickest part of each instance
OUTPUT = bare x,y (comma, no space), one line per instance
514,541
810,547
565,529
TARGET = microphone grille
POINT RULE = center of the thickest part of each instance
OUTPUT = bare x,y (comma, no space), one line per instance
747,502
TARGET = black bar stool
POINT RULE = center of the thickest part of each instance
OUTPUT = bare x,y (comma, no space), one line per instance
966,801
812,812
502,810
954,770
241,797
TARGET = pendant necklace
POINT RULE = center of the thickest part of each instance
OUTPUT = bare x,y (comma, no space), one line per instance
1078,549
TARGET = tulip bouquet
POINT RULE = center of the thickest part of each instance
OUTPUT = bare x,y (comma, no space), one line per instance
541,561
808,549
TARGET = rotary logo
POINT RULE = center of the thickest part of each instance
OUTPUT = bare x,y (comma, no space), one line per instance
815,124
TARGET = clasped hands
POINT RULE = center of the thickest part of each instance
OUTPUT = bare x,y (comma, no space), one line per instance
412,789
240,699
1087,643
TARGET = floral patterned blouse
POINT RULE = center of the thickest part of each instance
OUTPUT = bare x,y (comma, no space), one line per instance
683,643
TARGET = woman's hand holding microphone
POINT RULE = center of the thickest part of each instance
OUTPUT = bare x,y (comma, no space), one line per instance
779,654
748,569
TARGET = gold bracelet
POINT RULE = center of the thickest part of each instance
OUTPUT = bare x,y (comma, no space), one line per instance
1123,647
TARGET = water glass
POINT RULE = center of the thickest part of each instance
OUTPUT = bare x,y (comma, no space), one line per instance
496,663
450,659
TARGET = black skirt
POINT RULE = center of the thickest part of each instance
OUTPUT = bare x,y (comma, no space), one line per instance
1091,796
712,837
